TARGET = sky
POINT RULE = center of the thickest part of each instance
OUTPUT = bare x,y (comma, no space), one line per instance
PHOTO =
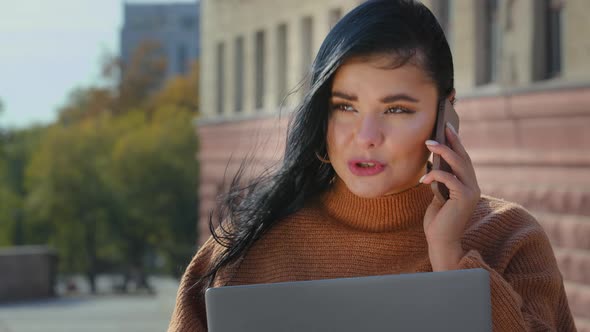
49,47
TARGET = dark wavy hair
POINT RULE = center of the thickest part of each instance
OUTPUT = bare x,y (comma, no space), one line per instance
404,29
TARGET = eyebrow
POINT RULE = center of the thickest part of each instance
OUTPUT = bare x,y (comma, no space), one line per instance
386,99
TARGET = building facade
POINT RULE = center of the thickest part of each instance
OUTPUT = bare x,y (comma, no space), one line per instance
174,27
522,76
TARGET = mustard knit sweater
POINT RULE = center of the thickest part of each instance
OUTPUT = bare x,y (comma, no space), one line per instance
343,235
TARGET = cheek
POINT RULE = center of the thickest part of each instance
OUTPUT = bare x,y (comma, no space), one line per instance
339,133
409,139
423,132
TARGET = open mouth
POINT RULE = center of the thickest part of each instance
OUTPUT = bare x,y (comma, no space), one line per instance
366,165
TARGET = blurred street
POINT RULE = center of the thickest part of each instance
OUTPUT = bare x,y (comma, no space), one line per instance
101,313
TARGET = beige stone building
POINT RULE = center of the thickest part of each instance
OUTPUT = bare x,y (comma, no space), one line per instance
522,75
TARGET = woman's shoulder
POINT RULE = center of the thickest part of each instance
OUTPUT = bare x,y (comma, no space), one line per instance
207,253
503,220
213,247
501,231
490,206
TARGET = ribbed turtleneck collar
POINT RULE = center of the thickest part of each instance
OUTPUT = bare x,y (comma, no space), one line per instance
382,214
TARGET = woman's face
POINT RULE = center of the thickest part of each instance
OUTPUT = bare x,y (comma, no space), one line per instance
379,120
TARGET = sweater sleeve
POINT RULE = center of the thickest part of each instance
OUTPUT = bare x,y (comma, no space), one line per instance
189,312
528,294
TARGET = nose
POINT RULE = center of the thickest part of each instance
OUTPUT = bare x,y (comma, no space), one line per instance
369,132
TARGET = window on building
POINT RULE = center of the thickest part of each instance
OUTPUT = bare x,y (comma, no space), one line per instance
187,23
282,62
239,74
220,57
487,50
259,72
159,20
334,16
306,46
553,28
139,23
181,59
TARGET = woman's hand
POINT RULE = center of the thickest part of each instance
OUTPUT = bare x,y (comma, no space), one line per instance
445,222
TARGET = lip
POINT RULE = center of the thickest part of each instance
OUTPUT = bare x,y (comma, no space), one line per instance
365,171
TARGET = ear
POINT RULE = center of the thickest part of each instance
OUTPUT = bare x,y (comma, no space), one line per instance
452,96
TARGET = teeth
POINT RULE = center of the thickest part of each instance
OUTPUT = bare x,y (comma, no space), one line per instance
366,164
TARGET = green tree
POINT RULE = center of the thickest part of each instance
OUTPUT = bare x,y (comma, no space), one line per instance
138,79
180,92
86,103
16,150
68,194
114,182
154,173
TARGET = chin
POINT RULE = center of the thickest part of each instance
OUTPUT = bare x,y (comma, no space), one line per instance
368,189
372,187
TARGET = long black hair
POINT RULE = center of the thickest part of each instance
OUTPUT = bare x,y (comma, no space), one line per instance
404,29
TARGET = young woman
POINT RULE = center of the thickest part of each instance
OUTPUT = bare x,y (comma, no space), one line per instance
352,196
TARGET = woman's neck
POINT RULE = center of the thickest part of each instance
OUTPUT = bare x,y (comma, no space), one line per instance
382,214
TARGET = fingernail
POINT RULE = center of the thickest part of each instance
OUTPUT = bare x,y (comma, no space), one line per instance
452,128
431,142
422,178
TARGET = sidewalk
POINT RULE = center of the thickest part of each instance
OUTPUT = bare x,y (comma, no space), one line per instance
102,313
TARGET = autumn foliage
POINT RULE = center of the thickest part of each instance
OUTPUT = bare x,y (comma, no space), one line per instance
112,184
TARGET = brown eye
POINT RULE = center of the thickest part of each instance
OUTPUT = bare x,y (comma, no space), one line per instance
343,107
398,110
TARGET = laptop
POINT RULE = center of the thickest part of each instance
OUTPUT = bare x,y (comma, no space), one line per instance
456,300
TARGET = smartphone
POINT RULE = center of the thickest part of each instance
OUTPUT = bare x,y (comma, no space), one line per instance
445,113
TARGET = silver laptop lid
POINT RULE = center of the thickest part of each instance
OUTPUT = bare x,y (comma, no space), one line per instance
437,301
